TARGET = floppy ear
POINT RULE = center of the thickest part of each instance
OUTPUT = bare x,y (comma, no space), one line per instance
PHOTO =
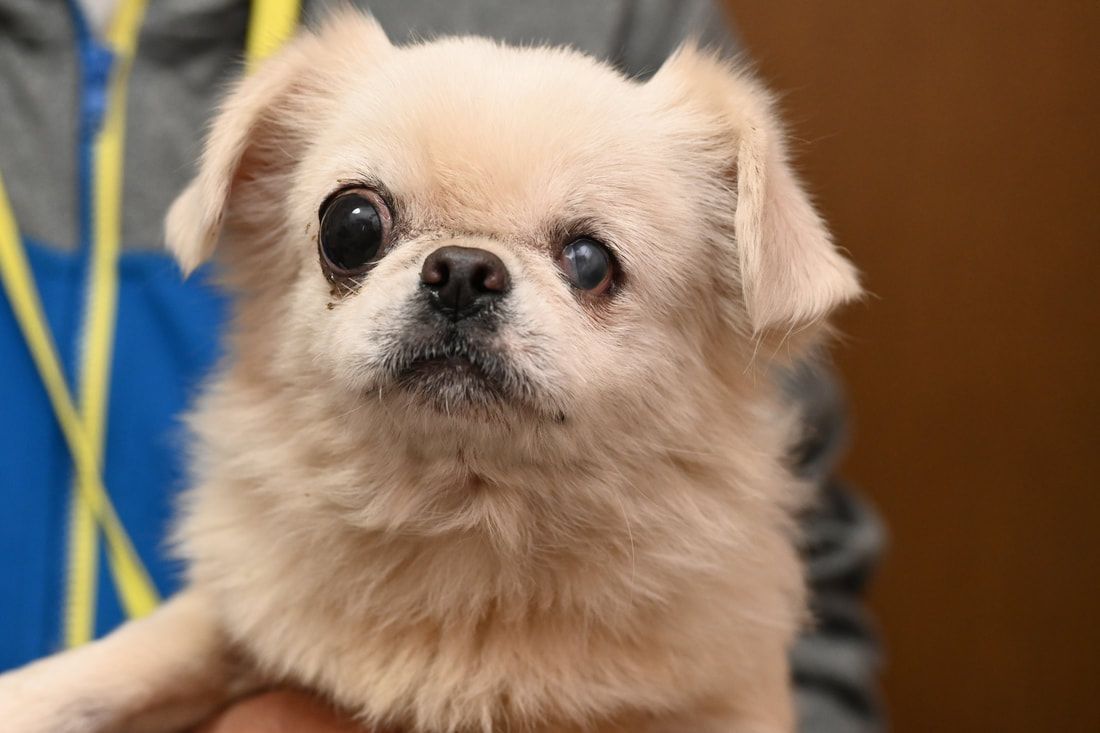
790,272
258,136
249,129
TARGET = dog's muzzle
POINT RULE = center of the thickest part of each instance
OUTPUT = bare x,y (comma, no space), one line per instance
449,352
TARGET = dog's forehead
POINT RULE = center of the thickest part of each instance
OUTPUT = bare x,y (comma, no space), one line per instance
467,128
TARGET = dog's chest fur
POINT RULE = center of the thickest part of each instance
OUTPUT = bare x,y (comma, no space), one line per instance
622,615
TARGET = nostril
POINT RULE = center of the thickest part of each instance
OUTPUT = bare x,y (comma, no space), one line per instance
435,272
491,279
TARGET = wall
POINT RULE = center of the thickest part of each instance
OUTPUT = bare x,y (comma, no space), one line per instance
953,146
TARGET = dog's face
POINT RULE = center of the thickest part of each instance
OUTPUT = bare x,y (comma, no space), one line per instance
504,234
488,241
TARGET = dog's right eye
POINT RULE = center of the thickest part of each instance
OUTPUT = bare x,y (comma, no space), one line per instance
355,231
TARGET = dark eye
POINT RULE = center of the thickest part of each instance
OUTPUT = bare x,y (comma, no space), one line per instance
355,227
587,265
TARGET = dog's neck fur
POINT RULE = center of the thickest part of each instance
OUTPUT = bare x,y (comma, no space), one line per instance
405,530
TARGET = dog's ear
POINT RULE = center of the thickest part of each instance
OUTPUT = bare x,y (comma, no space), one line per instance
258,136
789,271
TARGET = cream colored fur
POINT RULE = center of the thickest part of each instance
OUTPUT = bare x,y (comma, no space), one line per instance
615,549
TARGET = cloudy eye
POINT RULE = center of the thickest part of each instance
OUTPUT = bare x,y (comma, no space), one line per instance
355,227
587,265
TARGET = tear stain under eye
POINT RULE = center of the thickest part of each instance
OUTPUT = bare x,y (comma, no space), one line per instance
339,287
338,290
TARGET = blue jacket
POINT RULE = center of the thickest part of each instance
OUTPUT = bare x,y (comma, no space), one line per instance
52,90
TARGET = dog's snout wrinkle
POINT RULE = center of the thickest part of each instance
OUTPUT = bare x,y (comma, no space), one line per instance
463,279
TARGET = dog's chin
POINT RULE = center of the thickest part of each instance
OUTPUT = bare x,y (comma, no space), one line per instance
455,384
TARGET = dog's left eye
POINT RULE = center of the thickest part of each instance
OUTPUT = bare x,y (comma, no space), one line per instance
355,229
587,265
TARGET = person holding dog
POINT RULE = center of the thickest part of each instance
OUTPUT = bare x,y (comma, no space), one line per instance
103,344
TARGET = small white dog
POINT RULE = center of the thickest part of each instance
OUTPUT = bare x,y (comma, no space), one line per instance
491,450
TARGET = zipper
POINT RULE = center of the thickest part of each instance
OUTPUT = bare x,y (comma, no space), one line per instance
82,565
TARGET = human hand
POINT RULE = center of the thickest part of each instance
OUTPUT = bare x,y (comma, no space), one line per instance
281,711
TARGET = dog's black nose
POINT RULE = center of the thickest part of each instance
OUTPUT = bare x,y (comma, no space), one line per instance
463,278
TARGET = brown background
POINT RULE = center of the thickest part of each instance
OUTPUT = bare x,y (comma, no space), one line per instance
953,148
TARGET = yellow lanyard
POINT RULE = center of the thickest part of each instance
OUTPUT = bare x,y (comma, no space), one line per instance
273,21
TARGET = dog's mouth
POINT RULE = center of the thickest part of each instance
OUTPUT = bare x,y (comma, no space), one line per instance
452,366
451,371
464,366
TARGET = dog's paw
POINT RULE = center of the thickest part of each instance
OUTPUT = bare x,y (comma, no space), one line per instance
34,701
